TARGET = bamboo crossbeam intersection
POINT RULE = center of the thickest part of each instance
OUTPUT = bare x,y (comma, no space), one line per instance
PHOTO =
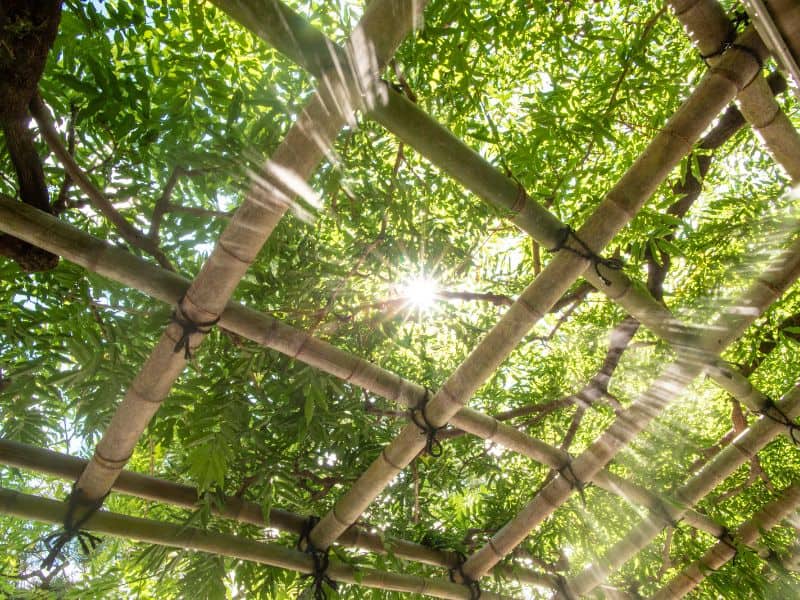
40,460
448,405
372,43
620,205
675,378
740,450
30,507
117,264
710,29
725,550
269,19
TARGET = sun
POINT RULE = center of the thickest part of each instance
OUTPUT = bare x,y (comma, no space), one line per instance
421,292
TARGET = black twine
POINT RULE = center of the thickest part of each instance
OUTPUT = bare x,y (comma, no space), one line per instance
586,252
57,541
741,18
189,328
321,559
420,418
472,584
573,481
727,538
772,412
661,510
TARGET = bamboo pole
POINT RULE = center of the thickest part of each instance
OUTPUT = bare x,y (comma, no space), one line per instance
786,14
115,263
779,27
30,507
384,25
40,460
620,205
406,120
743,448
708,26
674,379
748,533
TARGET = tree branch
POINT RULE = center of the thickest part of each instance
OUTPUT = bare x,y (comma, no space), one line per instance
98,200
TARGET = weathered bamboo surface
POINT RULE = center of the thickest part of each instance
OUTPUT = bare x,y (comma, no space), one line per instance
675,378
29,507
40,460
620,205
405,119
720,553
709,27
743,448
384,25
119,265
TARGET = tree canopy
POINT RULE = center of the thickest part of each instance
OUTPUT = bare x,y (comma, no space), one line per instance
172,108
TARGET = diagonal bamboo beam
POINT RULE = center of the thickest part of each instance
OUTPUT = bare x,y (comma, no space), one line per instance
40,460
723,551
742,449
30,507
384,25
311,49
620,205
779,27
707,24
674,380
118,264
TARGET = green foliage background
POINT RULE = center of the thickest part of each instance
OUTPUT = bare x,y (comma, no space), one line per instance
563,95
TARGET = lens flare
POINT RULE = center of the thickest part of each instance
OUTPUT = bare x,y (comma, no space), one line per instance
420,292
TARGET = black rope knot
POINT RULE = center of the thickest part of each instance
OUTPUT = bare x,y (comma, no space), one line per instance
419,417
189,328
71,529
660,509
568,473
772,412
586,252
457,575
726,538
740,19
321,558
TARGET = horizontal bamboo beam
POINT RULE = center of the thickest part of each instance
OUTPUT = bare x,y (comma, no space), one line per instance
723,551
275,23
40,460
26,506
119,265
745,446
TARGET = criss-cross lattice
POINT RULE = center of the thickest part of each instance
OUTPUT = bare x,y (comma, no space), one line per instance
736,59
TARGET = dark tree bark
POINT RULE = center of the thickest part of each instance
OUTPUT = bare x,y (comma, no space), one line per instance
27,31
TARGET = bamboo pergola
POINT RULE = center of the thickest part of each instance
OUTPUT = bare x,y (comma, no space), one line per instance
348,82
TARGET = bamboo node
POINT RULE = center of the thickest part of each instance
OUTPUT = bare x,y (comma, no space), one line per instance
189,328
419,417
586,252
457,575
321,559
774,413
72,528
